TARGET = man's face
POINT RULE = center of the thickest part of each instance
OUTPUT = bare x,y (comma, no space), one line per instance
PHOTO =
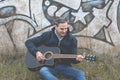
62,29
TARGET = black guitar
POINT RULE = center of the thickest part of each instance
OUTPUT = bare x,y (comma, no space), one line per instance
50,53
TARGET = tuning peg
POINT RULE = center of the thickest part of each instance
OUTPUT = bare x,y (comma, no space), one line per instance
94,58
90,58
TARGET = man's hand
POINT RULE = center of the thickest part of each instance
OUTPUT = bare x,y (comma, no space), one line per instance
80,57
39,56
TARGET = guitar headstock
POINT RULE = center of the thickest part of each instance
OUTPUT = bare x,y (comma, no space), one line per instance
90,58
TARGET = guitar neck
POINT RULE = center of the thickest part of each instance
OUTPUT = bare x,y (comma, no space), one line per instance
87,57
64,56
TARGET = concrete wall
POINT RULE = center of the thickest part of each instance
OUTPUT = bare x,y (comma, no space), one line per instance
95,23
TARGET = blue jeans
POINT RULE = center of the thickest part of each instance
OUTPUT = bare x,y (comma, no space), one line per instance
49,73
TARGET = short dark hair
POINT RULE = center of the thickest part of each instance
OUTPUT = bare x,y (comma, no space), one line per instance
59,20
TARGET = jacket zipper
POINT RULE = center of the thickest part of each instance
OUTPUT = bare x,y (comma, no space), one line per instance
59,43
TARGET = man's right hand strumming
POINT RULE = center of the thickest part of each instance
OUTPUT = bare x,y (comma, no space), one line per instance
39,56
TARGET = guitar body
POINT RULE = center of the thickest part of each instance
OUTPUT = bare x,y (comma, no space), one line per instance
34,65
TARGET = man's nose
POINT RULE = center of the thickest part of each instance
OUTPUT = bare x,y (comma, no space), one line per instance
64,30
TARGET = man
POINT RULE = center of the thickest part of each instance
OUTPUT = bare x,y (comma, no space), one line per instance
60,37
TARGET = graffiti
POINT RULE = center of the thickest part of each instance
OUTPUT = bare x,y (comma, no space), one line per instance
118,18
7,14
102,21
7,11
2,0
19,17
84,18
87,18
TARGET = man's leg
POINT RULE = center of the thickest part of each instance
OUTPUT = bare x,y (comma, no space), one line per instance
48,73
70,72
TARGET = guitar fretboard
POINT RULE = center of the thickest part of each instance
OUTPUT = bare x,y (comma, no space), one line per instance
64,56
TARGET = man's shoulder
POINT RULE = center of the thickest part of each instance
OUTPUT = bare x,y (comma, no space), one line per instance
72,36
47,33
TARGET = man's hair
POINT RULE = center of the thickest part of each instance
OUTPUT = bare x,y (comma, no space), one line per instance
59,20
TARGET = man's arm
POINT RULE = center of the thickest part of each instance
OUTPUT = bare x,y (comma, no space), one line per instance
79,57
33,43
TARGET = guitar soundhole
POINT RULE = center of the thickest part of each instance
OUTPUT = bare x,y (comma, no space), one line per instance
48,55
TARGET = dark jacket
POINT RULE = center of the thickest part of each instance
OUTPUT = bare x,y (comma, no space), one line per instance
68,45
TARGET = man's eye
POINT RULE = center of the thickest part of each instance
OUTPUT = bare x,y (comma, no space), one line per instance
64,28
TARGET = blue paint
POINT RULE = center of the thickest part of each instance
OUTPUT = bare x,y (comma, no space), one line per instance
7,11
96,2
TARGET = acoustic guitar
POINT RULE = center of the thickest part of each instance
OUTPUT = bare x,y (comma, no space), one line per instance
50,53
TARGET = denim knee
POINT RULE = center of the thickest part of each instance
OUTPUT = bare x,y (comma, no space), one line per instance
43,69
80,75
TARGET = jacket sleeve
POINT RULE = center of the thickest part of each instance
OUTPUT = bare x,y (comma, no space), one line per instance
33,43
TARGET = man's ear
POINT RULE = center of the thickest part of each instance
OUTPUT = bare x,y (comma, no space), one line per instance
56,25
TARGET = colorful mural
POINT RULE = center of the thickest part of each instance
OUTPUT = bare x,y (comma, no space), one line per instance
94,22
